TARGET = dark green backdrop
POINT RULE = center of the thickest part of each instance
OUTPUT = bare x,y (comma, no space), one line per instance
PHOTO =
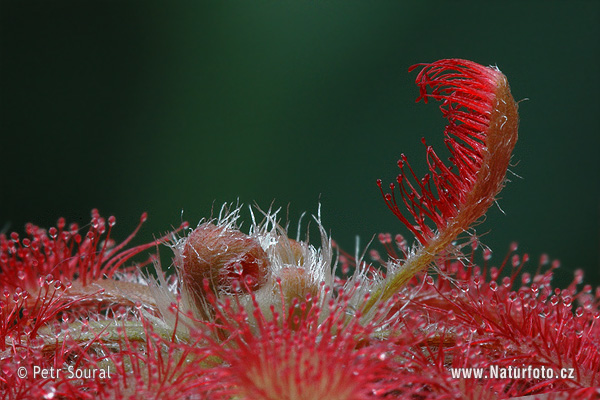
169,106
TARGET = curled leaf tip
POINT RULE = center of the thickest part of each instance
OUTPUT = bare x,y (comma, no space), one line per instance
480,135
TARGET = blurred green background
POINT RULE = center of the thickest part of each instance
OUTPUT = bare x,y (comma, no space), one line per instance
173,107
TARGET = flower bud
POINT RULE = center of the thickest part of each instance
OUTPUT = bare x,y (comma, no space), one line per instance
296,285
290,251
228,260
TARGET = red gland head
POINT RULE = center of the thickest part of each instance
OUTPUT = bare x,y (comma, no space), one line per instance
229,260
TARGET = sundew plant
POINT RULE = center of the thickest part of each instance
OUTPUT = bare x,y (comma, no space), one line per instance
252,313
